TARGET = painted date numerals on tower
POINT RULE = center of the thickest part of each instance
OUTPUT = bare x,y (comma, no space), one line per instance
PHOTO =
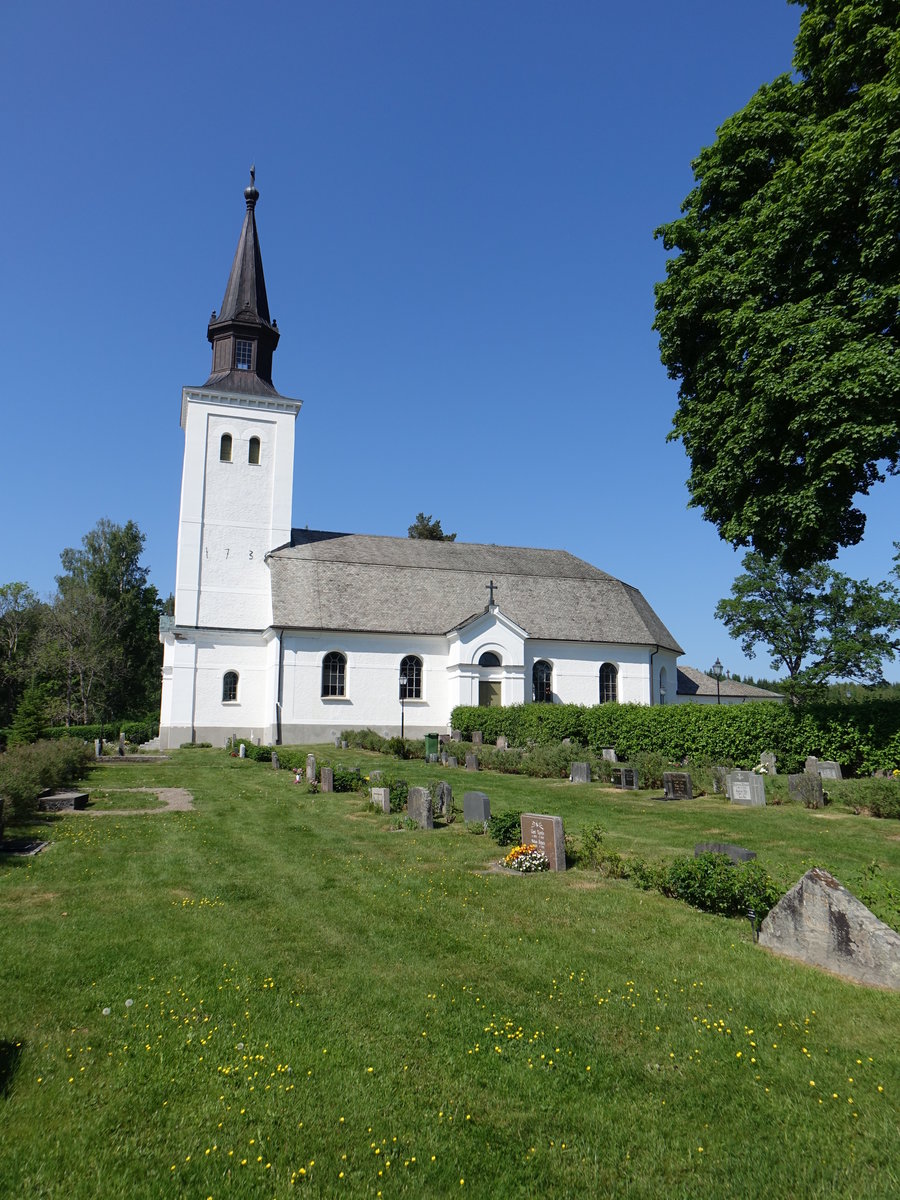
226,553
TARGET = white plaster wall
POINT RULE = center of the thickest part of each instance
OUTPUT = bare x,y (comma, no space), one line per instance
371,683
232,513
576,670
194,666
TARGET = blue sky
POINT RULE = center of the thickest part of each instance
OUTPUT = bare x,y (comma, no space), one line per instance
456,210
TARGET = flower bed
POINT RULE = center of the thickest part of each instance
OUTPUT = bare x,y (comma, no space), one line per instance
526,858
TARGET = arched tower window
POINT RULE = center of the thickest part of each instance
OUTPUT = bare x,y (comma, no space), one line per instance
489,659
609,684
411,671
334,668
541,682
253,452
225,448
663,681
229,686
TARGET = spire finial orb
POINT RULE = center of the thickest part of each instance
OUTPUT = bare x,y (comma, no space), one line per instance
251,195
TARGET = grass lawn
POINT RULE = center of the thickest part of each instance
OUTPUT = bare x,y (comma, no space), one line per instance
276,995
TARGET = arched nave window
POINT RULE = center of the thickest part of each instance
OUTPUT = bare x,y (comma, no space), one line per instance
609,684
229,686
225,448
541,682
253,452
334,668
411,671
663,681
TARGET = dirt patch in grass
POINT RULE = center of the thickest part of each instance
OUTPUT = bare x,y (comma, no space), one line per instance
174,800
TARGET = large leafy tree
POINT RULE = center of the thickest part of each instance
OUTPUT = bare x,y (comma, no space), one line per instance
817,624
20,619
780,312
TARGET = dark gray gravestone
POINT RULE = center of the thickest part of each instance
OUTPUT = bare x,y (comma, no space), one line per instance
443,799
830,770
747,788
382,798
471,762
477,738
546,833
327,775
443,739
455,735
767,760
626,778
737,854
609,753
310,768
580,772
812,765
444,758
418,806
275,763
502,742
807,789
677,785
432,758
452,760
476,806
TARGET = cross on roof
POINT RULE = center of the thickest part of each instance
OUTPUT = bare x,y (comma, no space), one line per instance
490,587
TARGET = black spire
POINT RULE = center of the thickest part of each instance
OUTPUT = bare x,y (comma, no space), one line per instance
243,337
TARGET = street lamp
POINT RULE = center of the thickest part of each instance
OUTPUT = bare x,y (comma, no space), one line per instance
717,671
402,698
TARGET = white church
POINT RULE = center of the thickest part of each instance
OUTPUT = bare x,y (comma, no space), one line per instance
289,636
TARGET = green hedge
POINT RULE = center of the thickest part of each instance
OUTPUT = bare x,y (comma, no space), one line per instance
863,737
136,732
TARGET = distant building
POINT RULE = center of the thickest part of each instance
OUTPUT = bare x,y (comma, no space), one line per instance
696,687
291,635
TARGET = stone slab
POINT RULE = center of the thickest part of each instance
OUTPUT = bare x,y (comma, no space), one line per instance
807,789
677,785
310,768
455,735
820,923
626,778
452,760
476,806
381,796
477,738
746,788
443,799
502,742
830,770
471,762
546,832
418,806
63,801
737,854
767,760
327,779
580,772
609,753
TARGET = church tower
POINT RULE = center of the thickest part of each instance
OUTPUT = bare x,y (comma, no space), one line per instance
220,653
237,483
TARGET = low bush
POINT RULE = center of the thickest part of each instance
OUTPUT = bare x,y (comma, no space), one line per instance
506,827
26,771
136,732
195,746
713,883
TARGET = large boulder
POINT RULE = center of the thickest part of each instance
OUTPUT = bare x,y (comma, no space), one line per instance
820,923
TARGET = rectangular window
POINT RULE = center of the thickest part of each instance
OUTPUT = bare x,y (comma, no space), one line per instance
243,354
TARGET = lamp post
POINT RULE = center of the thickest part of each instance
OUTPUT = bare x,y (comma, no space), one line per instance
402,711
717,671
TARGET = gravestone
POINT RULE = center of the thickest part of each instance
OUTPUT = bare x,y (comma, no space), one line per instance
343,744
121,744
677,785
275,763
242,751
546,833
310,768
418,806
820,923
719,778
337,743
98,748
443,739
471,762
737,854
432,758
477,738
580,772
609,753
455,735
747,788
807,789
382,798
626,778
476,806
830,770
443,800
375,775
327,774
452,760
767,760
502,742
444,758
812,765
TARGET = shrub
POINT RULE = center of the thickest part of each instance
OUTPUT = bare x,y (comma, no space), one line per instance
886,801
26,771
399,790
650,766
506,827
714,884
195,746
135,731
365,739
397,747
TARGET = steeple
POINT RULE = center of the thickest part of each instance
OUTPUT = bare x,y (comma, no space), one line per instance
242,335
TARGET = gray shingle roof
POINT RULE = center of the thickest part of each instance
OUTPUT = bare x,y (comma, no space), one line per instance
357,582
692,682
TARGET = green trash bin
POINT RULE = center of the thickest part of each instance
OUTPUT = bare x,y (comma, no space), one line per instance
432,744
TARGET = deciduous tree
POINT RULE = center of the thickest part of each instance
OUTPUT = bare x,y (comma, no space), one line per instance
780,312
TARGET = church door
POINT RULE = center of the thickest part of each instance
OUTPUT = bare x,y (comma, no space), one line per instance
489,694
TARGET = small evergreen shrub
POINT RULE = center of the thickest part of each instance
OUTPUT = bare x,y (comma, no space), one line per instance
506,827
195,746
714,884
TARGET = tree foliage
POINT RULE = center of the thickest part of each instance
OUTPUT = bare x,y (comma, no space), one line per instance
780,313
428,529
20,618
817,623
